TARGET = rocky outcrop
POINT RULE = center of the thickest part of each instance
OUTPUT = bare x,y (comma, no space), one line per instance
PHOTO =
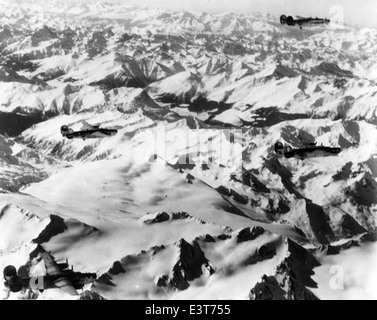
249,234
5,34
234,49
284,71
160,217
319,222
291,279
55,227
351,226
328,68
264,252
43,34
364,191
9,75
117,268
231,193
96,44
91,295
189,265
157,218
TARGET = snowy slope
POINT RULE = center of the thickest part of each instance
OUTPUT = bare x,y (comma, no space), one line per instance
188,200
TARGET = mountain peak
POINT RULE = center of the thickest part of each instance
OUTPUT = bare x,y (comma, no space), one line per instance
189,265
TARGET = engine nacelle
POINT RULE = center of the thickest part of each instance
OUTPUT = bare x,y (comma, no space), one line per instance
291,21
13,280
15,284
9,272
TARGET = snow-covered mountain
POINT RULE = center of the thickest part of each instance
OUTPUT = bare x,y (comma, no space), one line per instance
188,200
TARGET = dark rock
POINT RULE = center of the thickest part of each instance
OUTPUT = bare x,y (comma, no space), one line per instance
91,295
189,265
351,226
266,251
117,268
248,234
284,71
224,236
43,34
320,223
162,281
267,289
106,279
330,69
344,173
55,227
180,215
160,217
208,238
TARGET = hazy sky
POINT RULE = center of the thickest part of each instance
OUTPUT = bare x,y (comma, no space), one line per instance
360,12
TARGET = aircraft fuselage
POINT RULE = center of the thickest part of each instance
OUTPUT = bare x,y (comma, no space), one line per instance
315,152
310,151
290,21
91,134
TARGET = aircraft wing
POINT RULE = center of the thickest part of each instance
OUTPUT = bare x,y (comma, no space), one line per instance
302,18
52,269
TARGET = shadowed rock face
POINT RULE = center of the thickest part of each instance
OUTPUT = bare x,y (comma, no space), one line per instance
43,34
319,222
198,105
248,234
13,124
292,278
189,265
351,226
270,116
58,225
234,49
264,252
274,165
302,271
96,44
6,33
284,71
159,217
267,289
231,193
55,227
249,179
105,279
272,289
364,191
332,69
344,173
91,295
117,268
219,72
